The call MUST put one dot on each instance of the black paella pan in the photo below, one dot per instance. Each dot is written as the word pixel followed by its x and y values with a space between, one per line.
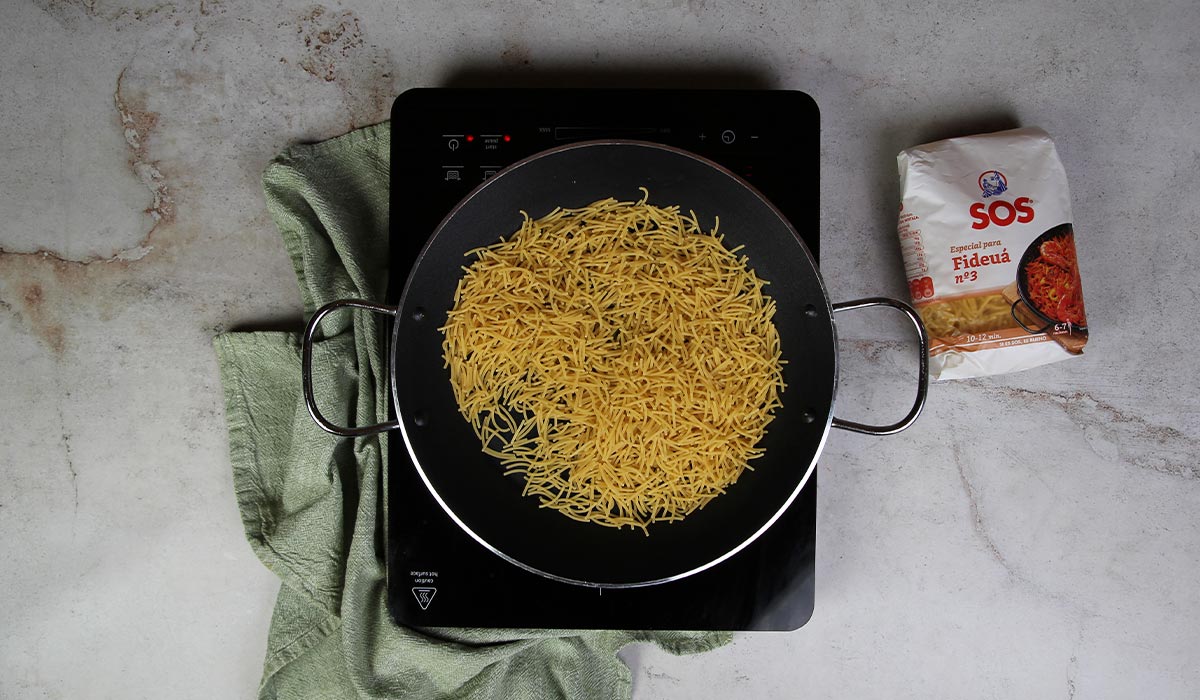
pixel 471 487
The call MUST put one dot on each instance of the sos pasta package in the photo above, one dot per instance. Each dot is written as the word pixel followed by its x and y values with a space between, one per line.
pixel 989 250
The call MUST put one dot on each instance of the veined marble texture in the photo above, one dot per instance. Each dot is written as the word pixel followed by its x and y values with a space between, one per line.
pixel 1034 535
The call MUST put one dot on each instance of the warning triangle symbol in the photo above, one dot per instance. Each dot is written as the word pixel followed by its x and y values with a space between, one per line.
pixel 424 596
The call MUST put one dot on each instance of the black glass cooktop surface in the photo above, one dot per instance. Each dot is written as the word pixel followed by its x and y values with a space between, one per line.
pixel 447 141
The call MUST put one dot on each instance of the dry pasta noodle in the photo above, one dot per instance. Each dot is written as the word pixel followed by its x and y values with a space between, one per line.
pixel 972 314
pixel 619 358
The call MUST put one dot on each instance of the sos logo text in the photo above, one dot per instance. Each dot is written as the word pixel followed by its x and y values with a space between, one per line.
pixel 999 212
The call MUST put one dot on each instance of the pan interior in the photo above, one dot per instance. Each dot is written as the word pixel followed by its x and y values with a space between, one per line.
pixel 471 486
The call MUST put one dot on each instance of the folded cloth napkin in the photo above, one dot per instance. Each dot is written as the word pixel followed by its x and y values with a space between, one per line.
pixel 312 504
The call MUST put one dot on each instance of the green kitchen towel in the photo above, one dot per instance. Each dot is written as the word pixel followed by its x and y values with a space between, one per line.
pixel 312 504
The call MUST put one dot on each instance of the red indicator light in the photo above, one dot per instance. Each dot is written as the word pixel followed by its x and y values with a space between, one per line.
pixel 470 138
pixel 507 138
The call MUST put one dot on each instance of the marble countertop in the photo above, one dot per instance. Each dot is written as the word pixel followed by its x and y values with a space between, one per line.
pixel 1033 535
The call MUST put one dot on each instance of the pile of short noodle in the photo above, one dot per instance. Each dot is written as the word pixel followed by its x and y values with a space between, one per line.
pixel 619 358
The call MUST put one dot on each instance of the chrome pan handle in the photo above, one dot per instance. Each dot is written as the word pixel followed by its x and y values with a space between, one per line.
pixel 922 375
pixel 310 399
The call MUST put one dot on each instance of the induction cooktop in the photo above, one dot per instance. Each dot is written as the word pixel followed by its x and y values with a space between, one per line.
pixel 445 142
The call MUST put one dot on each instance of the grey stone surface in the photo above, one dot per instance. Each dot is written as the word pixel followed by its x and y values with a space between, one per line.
pixel 1034 535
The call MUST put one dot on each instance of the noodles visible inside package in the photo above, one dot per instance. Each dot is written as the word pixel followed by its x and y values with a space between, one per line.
pixel 966 315
pixel 989 251
pixel 619 358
